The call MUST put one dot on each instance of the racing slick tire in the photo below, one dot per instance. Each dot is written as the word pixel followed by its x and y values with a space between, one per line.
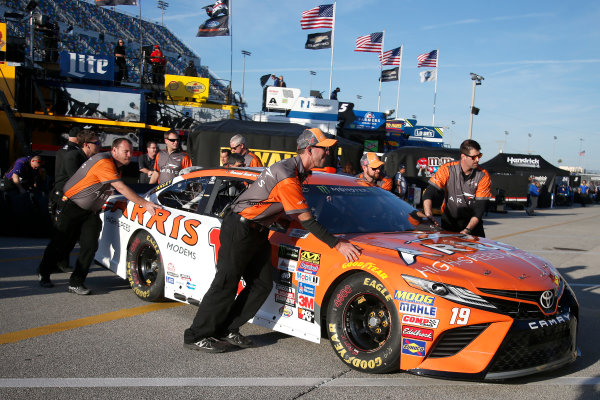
pixel 145 271
pixel 363 325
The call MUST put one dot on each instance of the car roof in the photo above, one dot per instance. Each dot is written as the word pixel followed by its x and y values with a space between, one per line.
pixel 316 178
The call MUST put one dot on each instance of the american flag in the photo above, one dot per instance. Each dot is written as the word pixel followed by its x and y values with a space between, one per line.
pixel 391 57
pixel 318 17
pixel 582 153
pixel 428 59
pixel 370 43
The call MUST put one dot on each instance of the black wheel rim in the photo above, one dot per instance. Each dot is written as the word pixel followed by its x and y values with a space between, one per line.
pixel 147 265
pixel 367 322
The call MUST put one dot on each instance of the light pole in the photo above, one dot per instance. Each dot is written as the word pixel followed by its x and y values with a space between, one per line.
pixel 553 147
pixel 505 139
pixel 358 97
pixel 581 153
pixel 162 5
pixel 474 110
pixel 311 75
pixel 244 54
pixel 528 141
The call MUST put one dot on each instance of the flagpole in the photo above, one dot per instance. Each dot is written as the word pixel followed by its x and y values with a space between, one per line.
pixel 437 64
pixel 230 21
pixel 141 44
pixel 380 70
pixel 332 46
pixel 399 77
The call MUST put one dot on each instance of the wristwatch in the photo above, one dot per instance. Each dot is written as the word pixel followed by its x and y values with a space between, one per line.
pixel 469 231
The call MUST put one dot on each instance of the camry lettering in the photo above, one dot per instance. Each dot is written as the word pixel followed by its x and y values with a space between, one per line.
pixel 542 323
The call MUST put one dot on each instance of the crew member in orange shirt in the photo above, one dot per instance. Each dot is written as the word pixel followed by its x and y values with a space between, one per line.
pixel 245 249
pixel 238 145
pixel 170 162
pixel 466 189
pixel 372 172
pixel 84 195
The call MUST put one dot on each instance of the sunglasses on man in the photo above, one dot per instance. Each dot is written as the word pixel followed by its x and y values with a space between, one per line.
pixel 172 140
pixel 475 156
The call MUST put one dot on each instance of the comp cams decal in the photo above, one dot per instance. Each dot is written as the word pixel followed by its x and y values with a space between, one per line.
pixel 415 320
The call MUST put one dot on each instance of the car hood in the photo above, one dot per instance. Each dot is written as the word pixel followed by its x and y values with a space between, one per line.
pixel 453 258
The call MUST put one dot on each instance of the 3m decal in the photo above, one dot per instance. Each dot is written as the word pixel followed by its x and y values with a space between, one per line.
pixel 306 315
pixel 307 302
pixel 417 309
pixel 414 332
pixel 413 347
pixel 417 298
pixel 289 252
pixel 420 321
pixel 309 256
pixel 368 266
pixel 460 316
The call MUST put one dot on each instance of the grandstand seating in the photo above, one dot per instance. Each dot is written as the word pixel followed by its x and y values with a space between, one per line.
pixel 93 23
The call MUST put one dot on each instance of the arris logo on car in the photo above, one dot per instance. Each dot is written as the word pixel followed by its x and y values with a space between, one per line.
pixel 547 299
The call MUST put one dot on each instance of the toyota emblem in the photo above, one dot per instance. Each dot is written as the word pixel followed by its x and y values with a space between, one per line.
pixel 547 299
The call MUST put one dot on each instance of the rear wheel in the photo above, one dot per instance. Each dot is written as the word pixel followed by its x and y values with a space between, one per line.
pixel 145 270
pixel 363 324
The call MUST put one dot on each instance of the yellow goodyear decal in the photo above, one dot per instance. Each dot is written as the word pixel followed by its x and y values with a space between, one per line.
pixel 367 266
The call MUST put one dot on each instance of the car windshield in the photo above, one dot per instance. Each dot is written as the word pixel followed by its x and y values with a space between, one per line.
pixel 358 209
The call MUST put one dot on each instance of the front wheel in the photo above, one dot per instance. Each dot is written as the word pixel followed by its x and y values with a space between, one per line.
pixel 363 325
pixel 145 271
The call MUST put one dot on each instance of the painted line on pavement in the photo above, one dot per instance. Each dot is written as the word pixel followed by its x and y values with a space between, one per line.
pixel 539 228
pixel 17 336
pixel 268 382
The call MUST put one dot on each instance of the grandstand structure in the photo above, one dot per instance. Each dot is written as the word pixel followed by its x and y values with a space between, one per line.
pixel 88 29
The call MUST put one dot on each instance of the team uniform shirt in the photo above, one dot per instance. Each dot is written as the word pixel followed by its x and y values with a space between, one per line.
pixel 146 162
pixel 68 160
pixel 461 190
pixel 251 160
pixel 277 190
pixel 91 185
pixel 534 190
pixel 169 165
pixel 384 183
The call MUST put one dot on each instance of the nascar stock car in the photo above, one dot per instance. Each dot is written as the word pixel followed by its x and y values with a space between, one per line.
pixel 424 301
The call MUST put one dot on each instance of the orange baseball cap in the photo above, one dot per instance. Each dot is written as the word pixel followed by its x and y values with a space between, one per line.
pixel 314 137
pixel 370 159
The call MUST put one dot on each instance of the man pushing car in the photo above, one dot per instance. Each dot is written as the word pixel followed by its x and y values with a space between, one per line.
pixel 246 252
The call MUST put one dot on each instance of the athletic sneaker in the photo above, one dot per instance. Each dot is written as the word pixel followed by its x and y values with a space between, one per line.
pixel 208 345
pixel 45 282
pixel 82 290
pixel 239 340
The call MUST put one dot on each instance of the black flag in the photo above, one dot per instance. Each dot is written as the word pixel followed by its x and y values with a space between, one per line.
pixel 116 3
pixel 318 41
pixel 215 27
pixel 388 75
pixel 264 79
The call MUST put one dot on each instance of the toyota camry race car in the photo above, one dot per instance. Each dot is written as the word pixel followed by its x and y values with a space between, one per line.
pixel 424 301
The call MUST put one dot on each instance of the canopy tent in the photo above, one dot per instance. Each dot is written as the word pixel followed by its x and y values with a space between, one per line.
pixel 270 141
pixel 511 173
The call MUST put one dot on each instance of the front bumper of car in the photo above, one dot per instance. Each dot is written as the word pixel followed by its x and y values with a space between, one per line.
pixel 528 346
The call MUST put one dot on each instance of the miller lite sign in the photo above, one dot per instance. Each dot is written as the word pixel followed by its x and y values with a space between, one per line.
pixel 87 66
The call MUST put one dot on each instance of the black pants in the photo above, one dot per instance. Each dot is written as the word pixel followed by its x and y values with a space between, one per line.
pixel 122 72
pixel 158 74
pixel 245 252
pixel 73 224
pixel 453 225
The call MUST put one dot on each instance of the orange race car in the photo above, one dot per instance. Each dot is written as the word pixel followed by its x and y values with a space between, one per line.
pixel 428 302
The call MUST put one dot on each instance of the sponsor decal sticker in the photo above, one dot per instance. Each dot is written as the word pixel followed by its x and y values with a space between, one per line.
pixel 287 265
pixel 286 311
pixel 289 252
pixel 190 286
pixel 307 278
pixel 286 297
pixel 306 315
pixel 420 321
pixel 414 297
pixel 285 277
pixel 308 267
pixel 309 256
pixel 173 274
pixel 413 347
pixel 170 280
pixel 186 278
pixel 299 233
pixel 368 266
pixel 284 288
pixel 417 309
pixel 307 302
pixel 171 267
pixel 414 332
pixel 305 288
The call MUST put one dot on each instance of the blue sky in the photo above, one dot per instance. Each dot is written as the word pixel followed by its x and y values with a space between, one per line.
pixel 539 60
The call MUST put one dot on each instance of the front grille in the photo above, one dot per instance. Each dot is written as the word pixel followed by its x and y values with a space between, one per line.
pixel 529 348
pixel 515 309
pixel 454 340
pixel 515 294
